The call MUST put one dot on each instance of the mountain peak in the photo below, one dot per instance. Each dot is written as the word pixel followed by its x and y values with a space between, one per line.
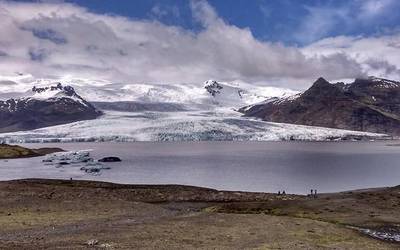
pixel 321 81
pixel 53 90
pixel 213 87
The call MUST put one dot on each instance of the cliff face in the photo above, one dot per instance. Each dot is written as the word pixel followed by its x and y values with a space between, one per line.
pixel 371 105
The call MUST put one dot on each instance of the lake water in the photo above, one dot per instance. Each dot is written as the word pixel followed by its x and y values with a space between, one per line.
pixel 295 167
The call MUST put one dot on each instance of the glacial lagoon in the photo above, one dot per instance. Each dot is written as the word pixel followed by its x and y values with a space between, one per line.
pixel 295 167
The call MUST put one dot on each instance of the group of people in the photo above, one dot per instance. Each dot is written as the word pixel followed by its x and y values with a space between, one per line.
pixel 313 193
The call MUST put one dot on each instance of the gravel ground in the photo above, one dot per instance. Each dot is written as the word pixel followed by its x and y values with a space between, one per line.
pixel 55 214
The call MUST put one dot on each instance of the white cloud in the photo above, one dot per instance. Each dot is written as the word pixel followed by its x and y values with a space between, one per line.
pixel 379 56
pixel 160 11
pixel 373 8
pixel 54 40
pixel 352 16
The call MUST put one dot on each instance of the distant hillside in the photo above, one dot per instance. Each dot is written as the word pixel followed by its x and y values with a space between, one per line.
pixel 371 105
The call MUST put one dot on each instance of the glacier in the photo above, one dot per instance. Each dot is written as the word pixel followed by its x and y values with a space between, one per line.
pixel 220 124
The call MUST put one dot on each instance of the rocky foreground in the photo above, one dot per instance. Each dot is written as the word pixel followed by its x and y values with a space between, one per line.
pixel 49 214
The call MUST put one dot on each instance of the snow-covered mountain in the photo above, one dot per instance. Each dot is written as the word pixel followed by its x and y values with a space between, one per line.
pixel 191 96
pixel 231 94
pixel 241 94
pixel 55 93
pixel 45 106
pixel 169 112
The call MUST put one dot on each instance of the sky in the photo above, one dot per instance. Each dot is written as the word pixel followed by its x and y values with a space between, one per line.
pixel 287 43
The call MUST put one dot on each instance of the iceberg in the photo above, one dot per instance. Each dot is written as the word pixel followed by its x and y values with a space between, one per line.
pixel 79 159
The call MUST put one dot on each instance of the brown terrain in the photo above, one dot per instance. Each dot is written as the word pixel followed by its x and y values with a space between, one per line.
pixel 69 214
pixel 15 151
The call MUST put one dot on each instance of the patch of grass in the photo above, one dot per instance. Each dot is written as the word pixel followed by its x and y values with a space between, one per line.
pixel 13 151
pixel 29 219
pixel 326 240
pixel 213 209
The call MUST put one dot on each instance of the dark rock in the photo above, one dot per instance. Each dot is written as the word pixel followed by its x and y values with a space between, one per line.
pixel 213 87
pixel 110 159
pixel 63 163
pixel 90 170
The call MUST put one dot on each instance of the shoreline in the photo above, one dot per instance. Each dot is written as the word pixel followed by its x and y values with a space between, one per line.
pixel 388 142
pixel 46 213
pixel 83 140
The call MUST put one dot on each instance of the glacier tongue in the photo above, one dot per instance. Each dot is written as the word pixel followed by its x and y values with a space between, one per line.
pixel 217 124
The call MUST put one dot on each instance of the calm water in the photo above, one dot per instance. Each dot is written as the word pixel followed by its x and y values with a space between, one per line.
pixel 295 167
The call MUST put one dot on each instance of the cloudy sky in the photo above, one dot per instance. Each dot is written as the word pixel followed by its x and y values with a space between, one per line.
pixel 285 43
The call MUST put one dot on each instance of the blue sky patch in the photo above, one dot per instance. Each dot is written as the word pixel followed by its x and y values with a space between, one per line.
pixel 288 21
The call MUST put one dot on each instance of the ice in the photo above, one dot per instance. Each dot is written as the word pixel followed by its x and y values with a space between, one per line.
pixel 387 233
pixel 93 167
pixel 198 125
pixel 80 159
pixel 70 157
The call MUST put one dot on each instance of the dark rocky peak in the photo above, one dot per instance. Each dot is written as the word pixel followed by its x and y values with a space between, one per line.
pixel 66 90
pixel 321 82
pixel 213 87
pixel 51 88
pixel 322 88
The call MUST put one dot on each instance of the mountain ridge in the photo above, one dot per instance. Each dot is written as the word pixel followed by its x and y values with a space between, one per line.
pixel 48 106
pixel 370 105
